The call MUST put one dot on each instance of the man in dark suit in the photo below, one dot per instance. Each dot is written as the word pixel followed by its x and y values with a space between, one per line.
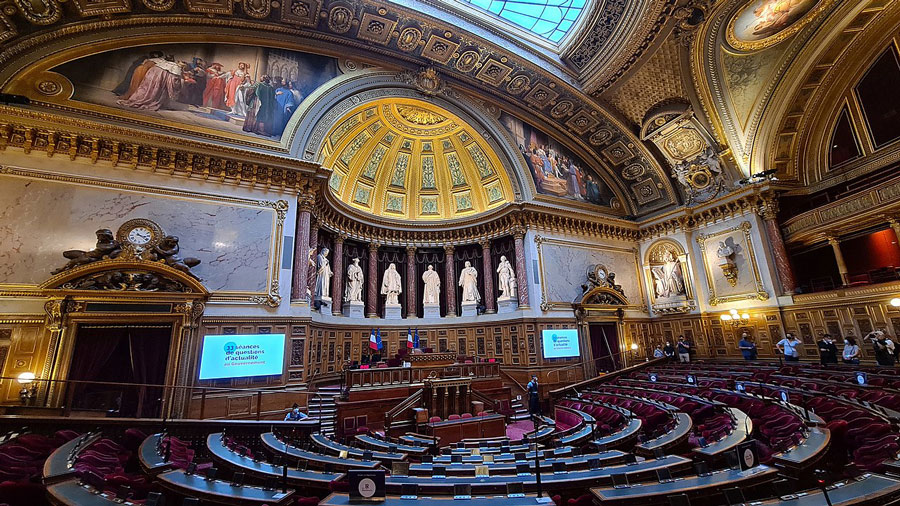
pixel 828 351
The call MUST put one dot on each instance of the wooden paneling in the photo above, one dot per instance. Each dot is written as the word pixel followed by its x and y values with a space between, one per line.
pixel 27 345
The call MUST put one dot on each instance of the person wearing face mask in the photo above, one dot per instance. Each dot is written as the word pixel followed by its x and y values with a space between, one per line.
pixel 669 351
pixel 827 350
pixel 295 415
pixel 851 351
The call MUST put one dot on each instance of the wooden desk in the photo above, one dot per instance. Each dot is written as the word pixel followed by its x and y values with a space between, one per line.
pixel 277 446
pixel 868 489
pixel 806 453
pixel 451 431
pixel 743 427
pixel 694 486
pixel 58 465
pixel 150 459
pixel 622 437
pixel 393 500
pixel 607 458
pixel 220 492
pixel 336 448
pixel 676 436
pixel 295 478
pixel 380 444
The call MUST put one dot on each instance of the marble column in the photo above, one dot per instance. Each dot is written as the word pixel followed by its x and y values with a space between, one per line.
pixel 301 255
pixel 450 279
pixel 895 224
pixel 337 281
pixel 521 275
pixel 411 282
pixel 490 301
pixel 768 212
pixel 311 266
pixel 372 283
pixel 839 258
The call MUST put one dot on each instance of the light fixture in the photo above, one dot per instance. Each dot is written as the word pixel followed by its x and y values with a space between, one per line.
pixel 26 395
pixel 895 302
pixel 634 346
pixel 735 318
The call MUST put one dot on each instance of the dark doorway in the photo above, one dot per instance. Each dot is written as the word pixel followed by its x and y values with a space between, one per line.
pixel 605 346
pixel 120 354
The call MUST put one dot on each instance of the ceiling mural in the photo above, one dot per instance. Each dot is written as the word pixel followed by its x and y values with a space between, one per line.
pixel 554 169
pixel 762 23
pixel 403 158
pixel 238 90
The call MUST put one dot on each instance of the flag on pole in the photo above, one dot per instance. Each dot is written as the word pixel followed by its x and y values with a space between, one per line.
pixel 416 339
pixel 409 338
pixel 378 339
pixel 373 344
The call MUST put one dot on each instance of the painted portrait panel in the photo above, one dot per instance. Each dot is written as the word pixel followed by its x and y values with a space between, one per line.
pixel 245 90
pixel 554 169
pixel 759 22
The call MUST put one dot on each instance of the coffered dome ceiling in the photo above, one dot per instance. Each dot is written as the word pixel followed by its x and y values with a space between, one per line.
pixel 408 159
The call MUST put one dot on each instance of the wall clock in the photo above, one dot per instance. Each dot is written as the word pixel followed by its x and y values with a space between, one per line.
pixel 140 233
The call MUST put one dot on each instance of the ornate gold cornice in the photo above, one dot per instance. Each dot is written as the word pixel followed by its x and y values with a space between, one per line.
pixel 755 199
pixel 56 135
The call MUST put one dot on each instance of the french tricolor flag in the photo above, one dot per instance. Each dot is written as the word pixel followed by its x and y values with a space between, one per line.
pixel 409 338
pixel 373 343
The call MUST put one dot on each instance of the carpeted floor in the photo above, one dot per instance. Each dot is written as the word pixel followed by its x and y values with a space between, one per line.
pixel 516 430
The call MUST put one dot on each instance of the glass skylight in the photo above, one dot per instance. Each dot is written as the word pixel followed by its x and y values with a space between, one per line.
pixel 550 19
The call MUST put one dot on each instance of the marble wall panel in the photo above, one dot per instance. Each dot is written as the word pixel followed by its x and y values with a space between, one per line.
pixel 39 219
pixel 565 266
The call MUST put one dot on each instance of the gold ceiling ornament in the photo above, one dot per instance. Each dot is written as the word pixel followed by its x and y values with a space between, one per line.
pixel 407 159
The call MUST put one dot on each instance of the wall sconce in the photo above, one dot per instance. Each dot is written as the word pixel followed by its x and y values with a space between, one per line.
pixel 895 302
pixel 26 395
pixel 736 319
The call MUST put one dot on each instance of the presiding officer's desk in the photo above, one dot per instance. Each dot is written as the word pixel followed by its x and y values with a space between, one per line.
pixel 693 486
pixel 279 447
pixel 606 458
pixel 295 478
pixel 335 448
pixel 392 500
pixel 551 481
pixel 866 490
pixel 220 492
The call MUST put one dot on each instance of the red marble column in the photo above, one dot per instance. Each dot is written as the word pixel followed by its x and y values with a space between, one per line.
pixel 450 280
pixel 411 282
pixel 782 261
pixel 372 283
pixel 490 302
pixel 337 281
pixel 311 263
pixel 301 253
pixel 521 275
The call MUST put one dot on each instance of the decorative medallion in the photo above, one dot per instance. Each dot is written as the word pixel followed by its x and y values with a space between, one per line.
pixel 633 171
pixel 409 38
pixel 101 7
pixel 618 153
pixel 541 95
pixel 376 28
pixel 683 144
pixel 439 49
pixel 645 191
pixel 48 88
pixel 258 9
pixel 561 109
pixel 518 84
pixel 223 7
pixel 601 136
pixel 493 72
pixel 420 116
pixel 159 5
pixel 582 121
pixel 306 13
pixel 763 23
pixel 467 61
pixel 40 12
pixel 427 80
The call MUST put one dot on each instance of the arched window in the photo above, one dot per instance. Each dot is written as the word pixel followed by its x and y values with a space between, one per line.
pixel 549 19
pixel 844 146
pixel 877 94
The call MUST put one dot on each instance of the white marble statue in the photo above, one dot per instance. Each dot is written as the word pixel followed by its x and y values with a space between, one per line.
pixel 725 254
pixel 432 292
pixel 468 280
pixel 391 286
pixel 507 279
pixel 668 278
pixel 353 291
pixel 323 275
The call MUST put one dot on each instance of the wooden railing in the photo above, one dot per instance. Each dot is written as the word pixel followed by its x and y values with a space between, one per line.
pixel 583 385
pixel 412 401
pixel 378 377
pixel 489 403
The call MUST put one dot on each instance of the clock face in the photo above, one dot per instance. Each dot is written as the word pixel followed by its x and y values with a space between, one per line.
pixel 140 236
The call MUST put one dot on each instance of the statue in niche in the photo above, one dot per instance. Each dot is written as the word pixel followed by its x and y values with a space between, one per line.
pixel 468 280
pixel 391 286
pixel 107 247
pixel 507 279
pixel 667 278
pixel 726 262
pixel 167 251
pixel 432 292
pixel 323 275
pixel 353 292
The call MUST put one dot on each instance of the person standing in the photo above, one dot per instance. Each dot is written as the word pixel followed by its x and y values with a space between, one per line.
pixel 851 351
pixel 534 401
pixel 788 346
pixel 828 351
pixel 669 350
pixel 684 350
pixel 747 346
pixel 658 352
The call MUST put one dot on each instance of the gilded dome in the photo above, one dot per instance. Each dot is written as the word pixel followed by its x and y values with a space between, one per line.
pixel 408 159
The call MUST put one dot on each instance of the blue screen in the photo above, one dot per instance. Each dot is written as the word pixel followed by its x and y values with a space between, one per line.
pixel 560 343
pixel 242 355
